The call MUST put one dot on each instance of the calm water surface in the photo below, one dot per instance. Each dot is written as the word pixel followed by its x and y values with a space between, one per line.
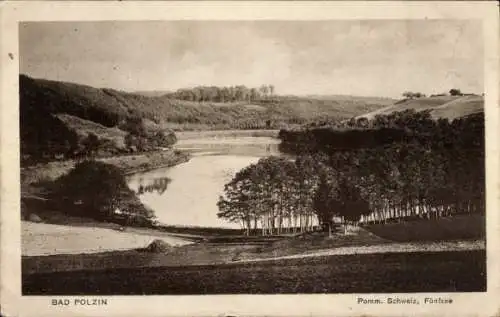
pixel 187 194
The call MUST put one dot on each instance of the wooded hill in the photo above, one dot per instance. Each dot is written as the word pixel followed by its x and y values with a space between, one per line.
pixel 108 106
pixel 60 119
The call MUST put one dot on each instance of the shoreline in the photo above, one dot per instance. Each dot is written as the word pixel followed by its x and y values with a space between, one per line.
pixel 184 157
pixel 138 162
pixel 36 180
pixel 35 175
pixel 184 135
pixel 45 239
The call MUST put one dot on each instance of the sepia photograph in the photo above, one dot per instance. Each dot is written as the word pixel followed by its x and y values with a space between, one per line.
pixel 252 157
pixel 234 158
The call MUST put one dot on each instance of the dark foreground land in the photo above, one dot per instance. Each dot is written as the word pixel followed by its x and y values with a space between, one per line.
pixel 463 271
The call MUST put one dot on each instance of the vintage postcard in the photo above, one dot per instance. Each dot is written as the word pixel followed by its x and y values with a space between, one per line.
pixel 249 159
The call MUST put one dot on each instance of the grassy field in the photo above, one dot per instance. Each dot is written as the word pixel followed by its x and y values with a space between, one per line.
pixel 211 247
pixel 467 226
pixel 209 253
pixel 307 263
pixel 461 107
pixel 369 273
pixel 85 127
pixel 449 107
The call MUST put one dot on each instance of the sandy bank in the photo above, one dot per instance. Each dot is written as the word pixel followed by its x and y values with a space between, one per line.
pixel 47 239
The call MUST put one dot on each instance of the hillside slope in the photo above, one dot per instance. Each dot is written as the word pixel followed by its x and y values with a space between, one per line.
pixel 448 107
pixel 109 107
pixel 61 118
pixel 459 108
pixel 65 120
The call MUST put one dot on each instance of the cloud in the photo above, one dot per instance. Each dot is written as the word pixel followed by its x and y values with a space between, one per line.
pixel 316 57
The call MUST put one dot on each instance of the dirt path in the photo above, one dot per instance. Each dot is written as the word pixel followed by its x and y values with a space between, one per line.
pixel 386 248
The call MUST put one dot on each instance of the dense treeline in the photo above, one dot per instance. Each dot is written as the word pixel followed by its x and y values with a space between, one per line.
pixel 278 195
pixel 397 167
pixel 438 169
pixel 224 94
pixel 329 140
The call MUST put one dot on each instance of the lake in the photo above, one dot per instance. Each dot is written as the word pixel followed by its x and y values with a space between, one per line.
pixel 187 194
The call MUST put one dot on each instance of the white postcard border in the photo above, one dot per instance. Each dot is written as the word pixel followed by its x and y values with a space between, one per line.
pixel 12 304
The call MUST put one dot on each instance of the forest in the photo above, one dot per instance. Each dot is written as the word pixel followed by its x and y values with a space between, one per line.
pixel 398 167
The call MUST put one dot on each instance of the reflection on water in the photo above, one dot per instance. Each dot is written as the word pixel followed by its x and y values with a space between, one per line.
pixel 157 184
pixel 187 194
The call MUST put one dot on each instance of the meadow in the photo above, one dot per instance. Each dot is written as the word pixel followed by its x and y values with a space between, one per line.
pixel 463 271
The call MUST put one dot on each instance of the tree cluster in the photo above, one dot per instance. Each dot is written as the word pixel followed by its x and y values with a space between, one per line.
pixel 338 198
pixel 271 196
pixel 455 92
pixel 409 167
pixel 140 138
pixel 49 138
pixel 412 95
pixel 436 169
pixel 398 167
pixel 96 190
pixel 223 94
pixel 278 195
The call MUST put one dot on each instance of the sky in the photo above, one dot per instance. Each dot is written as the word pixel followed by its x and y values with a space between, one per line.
pixel 367 57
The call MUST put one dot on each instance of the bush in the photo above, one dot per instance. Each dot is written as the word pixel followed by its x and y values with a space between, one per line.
pixel 158 246
pixel 34 218
pixel 91 144
pixel 135 126
pixel 96 189
pixel 164 138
